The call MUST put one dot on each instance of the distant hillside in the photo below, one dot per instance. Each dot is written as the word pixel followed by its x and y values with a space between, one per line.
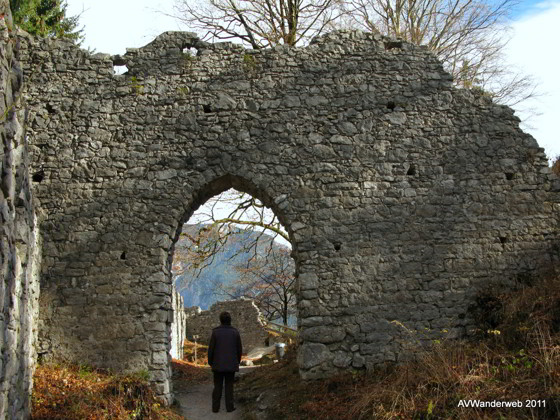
pixel 199 291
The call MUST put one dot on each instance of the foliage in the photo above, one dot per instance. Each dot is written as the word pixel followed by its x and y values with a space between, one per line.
pixel 259 23
pixel 188 58
pixel 81 393
pixel 191 371
pixel 46 18
pixel 520 363
pixel 201 353
pixel 135 86
pixel 183 90
pixel 249 64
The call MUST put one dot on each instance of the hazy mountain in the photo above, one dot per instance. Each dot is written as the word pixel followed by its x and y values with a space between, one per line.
pixel 199 291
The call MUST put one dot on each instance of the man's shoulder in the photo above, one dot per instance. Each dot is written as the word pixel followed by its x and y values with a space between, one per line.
pixel 226 327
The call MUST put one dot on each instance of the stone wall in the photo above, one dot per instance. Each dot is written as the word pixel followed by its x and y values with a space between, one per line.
pixel 19 256
pixel 403 196
pixel 245 316
pixel 178 325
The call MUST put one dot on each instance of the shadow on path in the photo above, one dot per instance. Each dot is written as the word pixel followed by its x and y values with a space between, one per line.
pixel 195 400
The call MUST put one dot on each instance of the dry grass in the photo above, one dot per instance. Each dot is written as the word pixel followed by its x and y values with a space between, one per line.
pixel 80 393
pixel 517 360
pixel 189 373
pixel 201 353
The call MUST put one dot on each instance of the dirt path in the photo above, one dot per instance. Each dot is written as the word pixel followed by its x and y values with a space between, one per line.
pixel 195 401
pixel 195 404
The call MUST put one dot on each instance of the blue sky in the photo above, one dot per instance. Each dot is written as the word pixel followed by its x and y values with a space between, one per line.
pixel 528 7
pixel 111 26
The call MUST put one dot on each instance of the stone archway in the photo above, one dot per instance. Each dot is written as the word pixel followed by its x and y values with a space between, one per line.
pixel 252 263
pixel 403 196
pixel 127 289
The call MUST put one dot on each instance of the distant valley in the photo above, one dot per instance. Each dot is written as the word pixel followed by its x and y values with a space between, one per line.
pixel 201 290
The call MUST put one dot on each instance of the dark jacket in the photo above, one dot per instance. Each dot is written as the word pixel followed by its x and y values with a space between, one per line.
pixel 224 350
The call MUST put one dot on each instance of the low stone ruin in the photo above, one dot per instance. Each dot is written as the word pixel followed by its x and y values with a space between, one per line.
pixel 245 316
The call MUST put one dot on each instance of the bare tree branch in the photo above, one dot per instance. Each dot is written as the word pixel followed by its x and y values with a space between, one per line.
pixel 198 246
pixel 259 23
pixel 270 283
pixel 468 36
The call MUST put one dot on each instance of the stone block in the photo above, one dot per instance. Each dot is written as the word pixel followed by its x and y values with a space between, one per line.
pixel 312 354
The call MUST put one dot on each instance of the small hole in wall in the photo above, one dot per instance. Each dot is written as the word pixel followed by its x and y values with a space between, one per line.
pixel 411 170
pixel 337 247
pixel 50 109
pixel 510 176
pixel 123 255
pixel 391 105
pixel 503 239
pixel 193 52
pixel 38 176
pixel 120 69
pixel 206 109
pixel 393 44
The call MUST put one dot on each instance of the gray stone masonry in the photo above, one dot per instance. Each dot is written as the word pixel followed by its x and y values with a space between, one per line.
pixel 178 325
pixel 245 316
pixel 403 196
pixel 19 250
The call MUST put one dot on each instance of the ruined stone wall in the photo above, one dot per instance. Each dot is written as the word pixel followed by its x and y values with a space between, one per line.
pixel 178 325
pixel 403 197
pixel 245 316
pixel 19 256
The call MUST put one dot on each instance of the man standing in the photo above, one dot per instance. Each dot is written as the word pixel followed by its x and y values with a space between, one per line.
pixel 224 355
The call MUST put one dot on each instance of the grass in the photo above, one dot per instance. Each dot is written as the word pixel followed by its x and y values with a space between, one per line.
pixel 188 373
pixel 201 353
pixel 82 393
pixel 516 359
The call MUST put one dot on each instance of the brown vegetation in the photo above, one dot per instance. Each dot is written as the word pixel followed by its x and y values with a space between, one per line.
pixel 516 357
pixel 517 360
pixel 81 393
pixel 556 165
pixel 201 353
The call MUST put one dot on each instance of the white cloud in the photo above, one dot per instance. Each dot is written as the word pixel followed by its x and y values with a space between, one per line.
pixel 534 48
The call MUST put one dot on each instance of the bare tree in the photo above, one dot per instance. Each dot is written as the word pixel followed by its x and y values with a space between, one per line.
pixel 270 282
pixel 226 217
pixel 264 270
pixel 468 36
pixel 258 23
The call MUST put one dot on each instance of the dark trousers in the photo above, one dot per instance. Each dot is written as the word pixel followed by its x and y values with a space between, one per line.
pixel 219 379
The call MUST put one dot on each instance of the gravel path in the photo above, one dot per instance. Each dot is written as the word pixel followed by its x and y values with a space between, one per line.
pixel 196 404
pixel 195 401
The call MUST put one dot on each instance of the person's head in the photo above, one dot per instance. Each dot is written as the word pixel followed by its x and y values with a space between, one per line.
pixel 225 318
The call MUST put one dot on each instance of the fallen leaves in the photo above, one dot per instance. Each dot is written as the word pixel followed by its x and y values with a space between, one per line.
pixel 80 393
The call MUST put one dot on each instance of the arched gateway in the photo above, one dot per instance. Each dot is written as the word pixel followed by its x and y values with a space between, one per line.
pixel 403 196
